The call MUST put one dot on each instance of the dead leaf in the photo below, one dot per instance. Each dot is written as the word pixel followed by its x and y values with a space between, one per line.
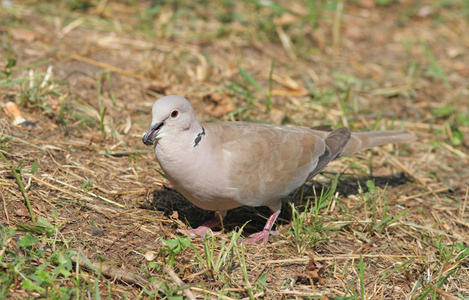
pixel 369 248
pixel 367 4
pixel 94 139
pixel 463 71
pixel 311 265
pixel 174 215
pixel 54 104
pixel 22 212
pixel 287 81
pixel 218 105
pixel 20 34
pixel 424 11
pixel 150 255
pixel 314 271
pixel 285 19
pixel 157 87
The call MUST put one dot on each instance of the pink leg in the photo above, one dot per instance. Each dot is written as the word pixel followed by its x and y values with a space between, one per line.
pixel 264 234
pixel 202 229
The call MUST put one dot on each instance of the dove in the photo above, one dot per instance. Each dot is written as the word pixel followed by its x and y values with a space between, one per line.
pixel 224 165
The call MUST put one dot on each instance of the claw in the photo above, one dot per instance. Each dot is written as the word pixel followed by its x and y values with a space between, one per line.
pixel 202 229
pixel 199 231
pixel 264 234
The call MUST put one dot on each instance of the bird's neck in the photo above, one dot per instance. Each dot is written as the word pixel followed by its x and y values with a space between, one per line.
pixel 183 142
pixel 185 154
pixel 199 137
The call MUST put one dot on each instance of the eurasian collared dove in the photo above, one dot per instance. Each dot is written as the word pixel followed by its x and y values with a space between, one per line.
pixel 220 166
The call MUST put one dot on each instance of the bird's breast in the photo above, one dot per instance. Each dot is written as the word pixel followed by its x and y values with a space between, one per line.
pixel 198 174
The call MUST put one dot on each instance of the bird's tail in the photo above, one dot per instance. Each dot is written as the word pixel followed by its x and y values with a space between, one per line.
pixel 365 140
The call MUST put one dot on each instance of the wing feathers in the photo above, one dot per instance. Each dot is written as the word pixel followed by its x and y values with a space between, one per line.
pixel 265 163
pixel 335 142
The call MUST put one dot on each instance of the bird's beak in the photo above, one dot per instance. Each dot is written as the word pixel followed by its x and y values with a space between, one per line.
pixel 150 136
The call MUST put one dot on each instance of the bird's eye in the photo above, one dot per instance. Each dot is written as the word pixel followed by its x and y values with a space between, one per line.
pixel 174 113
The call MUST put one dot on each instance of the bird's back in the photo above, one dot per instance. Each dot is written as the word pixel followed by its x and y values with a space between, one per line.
pixel 266 162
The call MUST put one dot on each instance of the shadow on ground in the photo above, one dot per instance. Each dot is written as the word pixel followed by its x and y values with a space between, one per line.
pixel 168 200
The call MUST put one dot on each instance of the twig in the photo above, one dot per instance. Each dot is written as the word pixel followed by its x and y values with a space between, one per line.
pixel 455 151
pixel 101 6
pixel 338 257
pixel 454 218
pixel 422 194
pixel 339 13
pixel 298 294
pixel 256 296
pixel 140 217
pixel 85 179
pixel 5 247
pixel 70 27
pixel 425 228
pixel 404 168
pixel 20 183
pixel 100 208
pixel 75 194
pixel 113 272
pixel 219 296
pixel 13 138
pixel 463 208
pixel 125 152
pixel 105 66
pixel 89 193
pixel 179 282
pixel 67 144
pixel 446 295
pixel 136 227
pixel 417 125
pixel 286 42
pixel 62 190
pixel 393 89
pixel 143 191
pixel 5 206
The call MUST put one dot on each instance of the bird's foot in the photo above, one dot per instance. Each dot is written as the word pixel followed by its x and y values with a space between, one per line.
pixel 202 229
pixel 260 236
pixel 199 231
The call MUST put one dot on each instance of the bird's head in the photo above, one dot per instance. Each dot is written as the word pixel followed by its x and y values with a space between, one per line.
pixel 171 115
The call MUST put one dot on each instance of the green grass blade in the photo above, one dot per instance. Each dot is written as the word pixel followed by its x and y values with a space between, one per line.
pixel 251 80
pixel 434 63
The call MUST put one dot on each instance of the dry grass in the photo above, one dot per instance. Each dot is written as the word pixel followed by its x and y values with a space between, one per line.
pixel 87 77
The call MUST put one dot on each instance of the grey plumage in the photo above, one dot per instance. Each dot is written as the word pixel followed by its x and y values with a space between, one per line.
pixel 220 166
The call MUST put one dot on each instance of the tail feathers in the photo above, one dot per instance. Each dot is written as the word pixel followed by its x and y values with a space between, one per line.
pixel 370 139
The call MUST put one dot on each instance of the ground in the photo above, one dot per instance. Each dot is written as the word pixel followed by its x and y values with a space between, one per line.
pixel 86 212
